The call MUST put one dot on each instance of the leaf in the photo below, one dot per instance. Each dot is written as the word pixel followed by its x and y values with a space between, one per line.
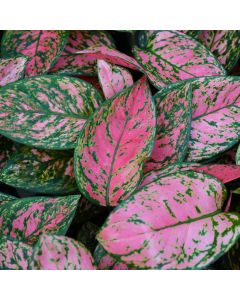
pixel 26 219
pixel 192 33
pixel 113 79
pixel 224 173
pixel 70 63
pixel 48 111
pixel 170 56
pixel 238 156
pixel 172 223
pixel 14 254
pixel 12 69
pixel 106 262
pixel 224 44
pixel 173 112
pixel 41 171
pixel 43 47
pixel 114 144
pixel 60 253
pixel 4 198
pixel 7 147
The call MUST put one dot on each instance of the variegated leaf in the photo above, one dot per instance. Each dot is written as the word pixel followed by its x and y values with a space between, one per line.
pixel 60 253
pixel 170 56
pixel 26 219
pixel 47 111
pixel 192 33
pixel 224 44
pixel 113 79
pixel 69 63
pixel 43 47
pixel 42 171
pixel 12 69
pixel 114 144
pixel 4 198
pixel 174 113
pixel 172 223
pixel 14 254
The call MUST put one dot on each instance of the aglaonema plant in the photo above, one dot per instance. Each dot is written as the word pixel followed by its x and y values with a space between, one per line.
pixel 119 150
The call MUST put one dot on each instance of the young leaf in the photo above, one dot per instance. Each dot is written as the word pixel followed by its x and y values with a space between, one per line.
pixel 174 113
pixel 224 44
pixel 113 79
pixel 14 254
pixel 114 144
pixel 26 219
pixel 70 63
pixel 170 56
pixel 47 111
pixel 60 253
pixel 173 223
pixel 43 47
pixel 12 69
pixel 41 171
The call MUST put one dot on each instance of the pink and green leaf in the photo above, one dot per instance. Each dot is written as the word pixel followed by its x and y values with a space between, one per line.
pixel 47 111
pixel 173 223
pixel 174 113
pixel 41 171
pixel 114 144
pixel 60 253
pixel 43 47
pixel 113 79
pixel 12 69
pixel 26 219
pixel 171 56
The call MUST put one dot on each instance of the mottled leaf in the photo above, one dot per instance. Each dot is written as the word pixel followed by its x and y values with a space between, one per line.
pixel 174 113
pixel 12 69
pixel 26 219
pixel 43 47
pixel 172 223
pixel 14 254
pixel 69 63
pixel 4 198
pixel 170 56
pixel 47 111
pixel 113 79
pixel 192 33
pixel 60 253
pixel 42 171
pixel 114 144
pixel 224 44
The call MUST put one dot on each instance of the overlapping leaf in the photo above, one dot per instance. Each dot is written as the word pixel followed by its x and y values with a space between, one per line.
pixel 70 63
pixel 43 47
pixel 224 44
pixel 170 56
pixel 26 219
pixel 14 254
pixel 172 223
pixel 12 69
pixel 174 113
pixel 114 144
pixel 42 171
pixel 4 198
pixel 60 253
pixel 47 111
pixel 113 79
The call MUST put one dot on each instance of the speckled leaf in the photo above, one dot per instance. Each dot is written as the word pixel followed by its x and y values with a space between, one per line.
pixel 172 223
pixel 224 173
pixel 106 262
pixel 192 33
pixel 170 56
pixel 47 111
pixel 43 47
pixel 173 112
pixel 26 219
pixel 70 63
pixel 4 198
pixel 113 79
pixel 114 144
pixel 224 44
pixel 238 156
pixel 42 171
pixel 60 253
pixel 12 69
pixel 14 254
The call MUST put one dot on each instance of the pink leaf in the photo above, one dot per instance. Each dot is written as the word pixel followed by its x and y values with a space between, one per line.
pixel 12 69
